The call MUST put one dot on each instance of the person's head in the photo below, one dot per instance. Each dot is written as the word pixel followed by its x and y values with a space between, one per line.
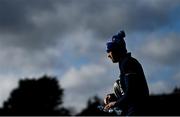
pixel 116 48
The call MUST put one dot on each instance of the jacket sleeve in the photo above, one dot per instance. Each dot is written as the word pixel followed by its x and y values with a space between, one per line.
pixel 129 93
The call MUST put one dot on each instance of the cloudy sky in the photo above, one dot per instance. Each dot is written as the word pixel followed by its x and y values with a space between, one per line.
pixel 66 38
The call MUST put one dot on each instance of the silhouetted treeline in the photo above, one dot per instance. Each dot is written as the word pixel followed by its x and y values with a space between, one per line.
pixel 165 104
pixel 158 105
pixel 42 96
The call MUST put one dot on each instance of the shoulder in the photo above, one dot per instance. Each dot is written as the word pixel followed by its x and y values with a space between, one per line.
pixel 131 65
pixel 131 61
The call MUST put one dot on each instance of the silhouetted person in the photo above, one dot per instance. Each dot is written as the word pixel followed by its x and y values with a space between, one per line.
pixel 131 90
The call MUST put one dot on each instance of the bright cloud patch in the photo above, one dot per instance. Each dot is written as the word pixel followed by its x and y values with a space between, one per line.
pixel 160 87
pixel 6 85
pixel 85 82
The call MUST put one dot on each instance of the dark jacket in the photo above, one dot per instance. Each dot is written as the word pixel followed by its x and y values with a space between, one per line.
pixel 134 86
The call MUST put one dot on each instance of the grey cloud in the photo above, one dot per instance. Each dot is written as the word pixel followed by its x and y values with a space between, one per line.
pixel 16 14
pixel 110 16
pixel 164 50
pixel 37 24
pixel 29 25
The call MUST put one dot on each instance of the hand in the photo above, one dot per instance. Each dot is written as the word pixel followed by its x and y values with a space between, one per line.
pixel 109 98
pixel 106 99
pixel 110 105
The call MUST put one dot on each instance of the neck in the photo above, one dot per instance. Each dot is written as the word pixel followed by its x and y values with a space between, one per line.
pixel 123 56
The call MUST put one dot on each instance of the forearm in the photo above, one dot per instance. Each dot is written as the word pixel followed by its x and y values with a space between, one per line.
pixel 121 102
pixel 129 91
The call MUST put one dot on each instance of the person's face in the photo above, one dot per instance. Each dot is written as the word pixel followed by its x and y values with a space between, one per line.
pixel 113 56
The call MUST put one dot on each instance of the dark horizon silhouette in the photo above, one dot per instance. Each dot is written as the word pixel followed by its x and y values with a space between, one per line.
pixel 158 105
pixel 44 96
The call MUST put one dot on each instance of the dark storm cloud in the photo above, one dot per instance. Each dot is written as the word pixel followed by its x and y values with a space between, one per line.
pixel 36 24
pixel 19 25
pixel 105 17
pixel 40 24
pixel 16 14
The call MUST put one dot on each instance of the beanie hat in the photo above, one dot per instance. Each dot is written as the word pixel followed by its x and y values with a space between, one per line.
pixel 117 43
